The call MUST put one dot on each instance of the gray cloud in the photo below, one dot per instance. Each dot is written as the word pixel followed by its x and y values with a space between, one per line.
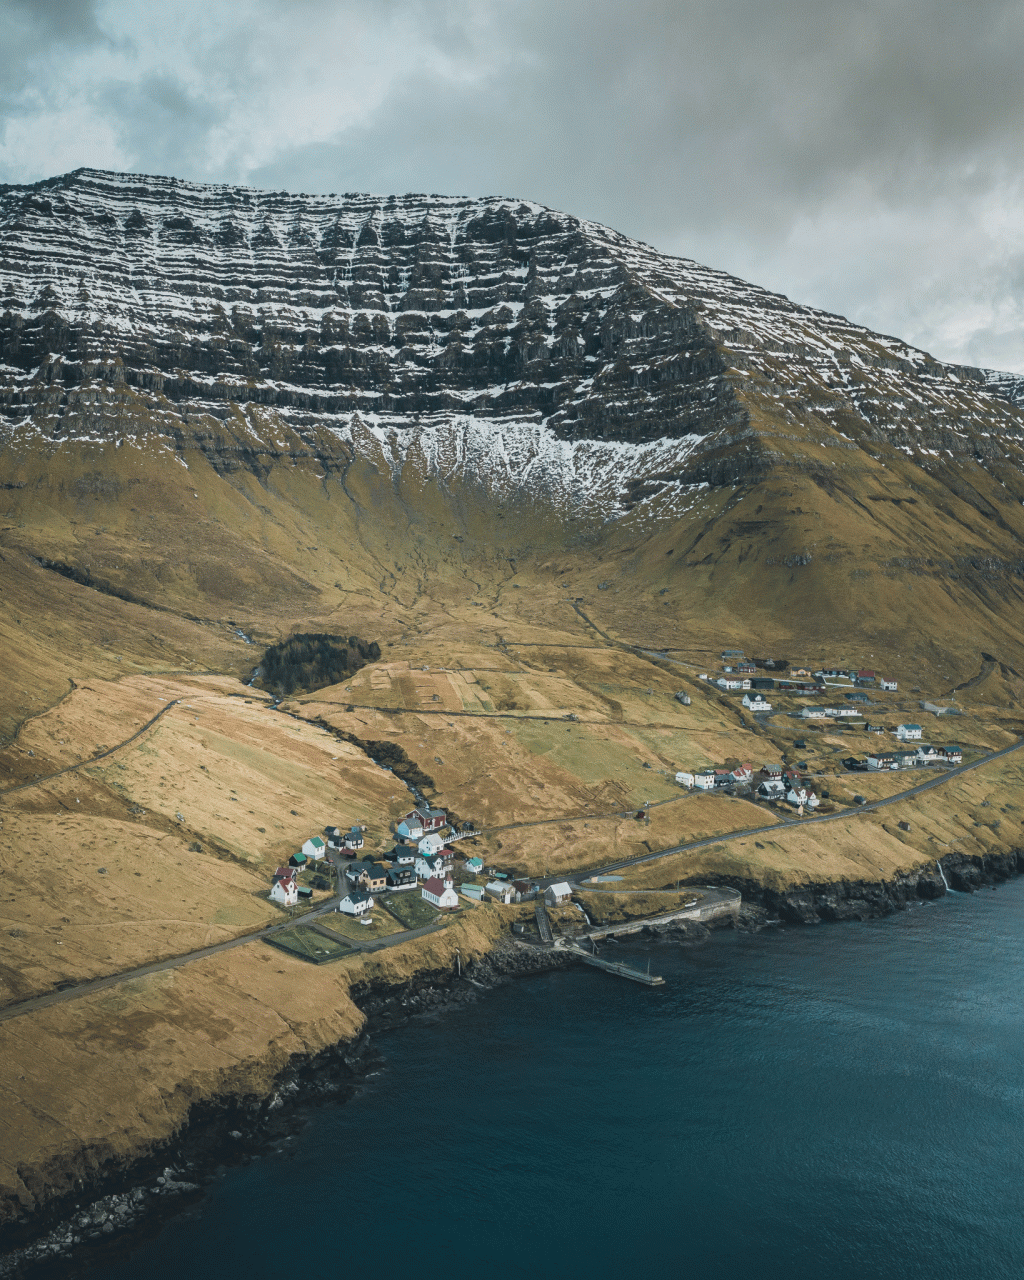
pixel 865 157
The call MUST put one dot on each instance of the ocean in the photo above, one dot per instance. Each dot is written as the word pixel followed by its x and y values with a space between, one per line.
pixel 845 1101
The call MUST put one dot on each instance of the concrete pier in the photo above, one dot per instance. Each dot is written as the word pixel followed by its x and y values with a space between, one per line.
pixel 612 966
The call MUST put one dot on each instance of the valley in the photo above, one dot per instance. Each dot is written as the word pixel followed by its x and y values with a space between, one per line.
pixel 554 476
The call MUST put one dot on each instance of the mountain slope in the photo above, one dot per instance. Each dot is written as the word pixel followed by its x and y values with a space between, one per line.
pixel 221 401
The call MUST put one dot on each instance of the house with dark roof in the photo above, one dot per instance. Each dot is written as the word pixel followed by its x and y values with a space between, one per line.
pixel 429 864
pixel 401 878
pixel 356 903
pixel 429 819
pixel 375 878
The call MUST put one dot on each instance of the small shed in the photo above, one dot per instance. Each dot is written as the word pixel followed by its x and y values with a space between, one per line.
pixel 298 860
pixel 472 891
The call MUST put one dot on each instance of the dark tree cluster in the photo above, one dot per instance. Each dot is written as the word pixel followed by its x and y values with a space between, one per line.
pixel 312 660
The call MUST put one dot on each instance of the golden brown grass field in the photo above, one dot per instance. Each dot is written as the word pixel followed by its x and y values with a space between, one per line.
pixel 528 668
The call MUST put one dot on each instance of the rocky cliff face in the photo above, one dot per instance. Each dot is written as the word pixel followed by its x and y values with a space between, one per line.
pixel 496 335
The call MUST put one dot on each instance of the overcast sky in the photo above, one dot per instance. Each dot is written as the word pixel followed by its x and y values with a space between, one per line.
pixel 866 157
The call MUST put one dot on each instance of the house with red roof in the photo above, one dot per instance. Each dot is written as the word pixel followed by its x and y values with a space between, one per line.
pixel 285 889
pixel 440 893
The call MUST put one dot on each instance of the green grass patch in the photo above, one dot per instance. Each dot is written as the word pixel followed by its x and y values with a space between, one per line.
pixel 308 944
pixel 381 926
pixel 411 909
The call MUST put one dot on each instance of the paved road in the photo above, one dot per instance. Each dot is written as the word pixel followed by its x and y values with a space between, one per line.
pixel 82 764
pixel 174 962
pixel 842 815
pixel 157 966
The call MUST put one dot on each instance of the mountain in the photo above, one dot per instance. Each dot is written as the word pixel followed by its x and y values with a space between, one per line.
pixel 218 400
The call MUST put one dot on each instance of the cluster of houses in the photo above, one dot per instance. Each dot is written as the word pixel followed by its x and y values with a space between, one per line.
pixel 422 859
pixel 740 674
pixel 919 757
pixel 771 782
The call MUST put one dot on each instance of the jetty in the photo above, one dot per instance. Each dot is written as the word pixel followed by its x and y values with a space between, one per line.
pixel 613 966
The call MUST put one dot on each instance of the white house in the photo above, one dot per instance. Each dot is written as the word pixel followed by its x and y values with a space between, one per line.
pixel 726 682
pixel 927 754
pixel 500 891
pixel 315 848
pixel 356 903
pixel 906 732
pixel 802 796
pixel 705 780
pixel 556 894
pixel 428 865
pixel 432 843
pixel 883 760
pixel 439 893
pixel 285 890
pixel 889 685
pixel 475 866
pixel 756 702
pixel 814 713
pixel 684 779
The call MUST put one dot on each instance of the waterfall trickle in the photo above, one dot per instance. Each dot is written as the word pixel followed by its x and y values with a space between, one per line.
pixel 943 874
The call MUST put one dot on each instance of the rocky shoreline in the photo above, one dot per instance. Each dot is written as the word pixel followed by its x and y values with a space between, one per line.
pixel 831 902
pixel 111 1210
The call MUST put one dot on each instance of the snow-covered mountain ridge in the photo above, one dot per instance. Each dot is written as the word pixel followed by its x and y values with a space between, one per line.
pixel 489 336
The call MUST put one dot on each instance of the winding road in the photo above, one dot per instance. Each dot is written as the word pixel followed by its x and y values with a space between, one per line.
pixel 174 962
pixel 83 764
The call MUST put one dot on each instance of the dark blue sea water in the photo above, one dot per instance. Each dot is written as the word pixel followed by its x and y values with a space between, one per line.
pixel 844 1102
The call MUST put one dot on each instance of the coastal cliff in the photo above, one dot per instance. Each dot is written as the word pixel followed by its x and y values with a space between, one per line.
pixel 91 1190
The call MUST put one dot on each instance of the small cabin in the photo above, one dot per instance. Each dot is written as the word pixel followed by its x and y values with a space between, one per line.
pixel 556 894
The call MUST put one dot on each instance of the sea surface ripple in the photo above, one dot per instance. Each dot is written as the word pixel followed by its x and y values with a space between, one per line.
pixel 842 1101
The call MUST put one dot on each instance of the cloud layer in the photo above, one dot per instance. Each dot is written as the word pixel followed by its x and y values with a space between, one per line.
pixel 865 157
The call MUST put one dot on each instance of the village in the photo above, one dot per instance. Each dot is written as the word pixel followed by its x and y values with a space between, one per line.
pixel 414 882
pixel 790 785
